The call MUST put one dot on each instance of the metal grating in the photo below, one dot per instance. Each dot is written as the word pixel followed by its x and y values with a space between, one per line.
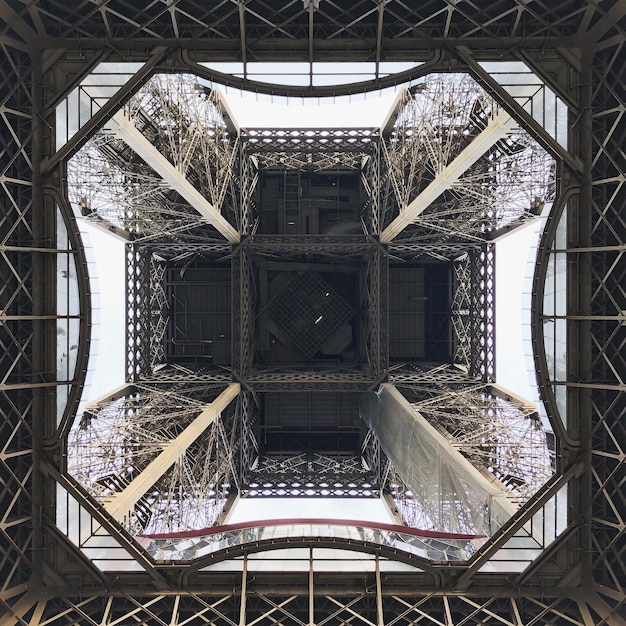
pixel 309 312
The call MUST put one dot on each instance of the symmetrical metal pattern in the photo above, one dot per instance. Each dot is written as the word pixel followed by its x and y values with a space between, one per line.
pixel 314 149
pixel 309 311
pixel 311 476
pixel 577 46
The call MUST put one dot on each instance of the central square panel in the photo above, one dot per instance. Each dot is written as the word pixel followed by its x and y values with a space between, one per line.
pixel 309 314
pixel 316 313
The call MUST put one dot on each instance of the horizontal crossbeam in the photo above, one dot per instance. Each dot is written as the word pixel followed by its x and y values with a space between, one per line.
pixel 119 505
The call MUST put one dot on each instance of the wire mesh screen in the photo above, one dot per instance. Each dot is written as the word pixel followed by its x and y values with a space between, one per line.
pixel 309 312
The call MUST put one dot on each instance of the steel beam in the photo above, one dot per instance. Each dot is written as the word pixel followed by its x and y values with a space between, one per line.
pixel 530 124
pixel 119 505
pixel 386 128
pixel 398 425
pixel 497 129
pixel 126 130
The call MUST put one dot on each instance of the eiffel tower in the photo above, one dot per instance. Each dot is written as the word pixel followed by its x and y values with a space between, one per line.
pixel 310 314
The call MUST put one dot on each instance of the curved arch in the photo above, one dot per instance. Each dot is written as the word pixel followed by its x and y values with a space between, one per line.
pixel 434 64
pixel 537 298
pixel 84 300
pixel 352 545
pixel 407 530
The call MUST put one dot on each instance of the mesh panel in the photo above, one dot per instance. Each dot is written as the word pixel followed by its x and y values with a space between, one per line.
pixel 309 312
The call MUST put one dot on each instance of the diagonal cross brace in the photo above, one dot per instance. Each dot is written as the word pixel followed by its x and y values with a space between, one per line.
pixel 119 505
pixel 498 128
pixel 125 129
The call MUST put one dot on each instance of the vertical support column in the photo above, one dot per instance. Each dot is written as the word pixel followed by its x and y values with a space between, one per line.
pixel 174 620
pixel 40 355
pixel 446 606
pixel 235 277
pixel 244 591
pixel 311 590
pixel 379 595
pixel 248 182
pixel 370 179
pixel 579 286
pixel 137 311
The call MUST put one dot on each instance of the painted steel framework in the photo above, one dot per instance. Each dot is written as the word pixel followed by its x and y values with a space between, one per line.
pixel 575 46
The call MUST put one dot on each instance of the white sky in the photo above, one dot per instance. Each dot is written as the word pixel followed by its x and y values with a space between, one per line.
pixel 252 111
pixel 108 352
pixel 365 510
pixel 515 260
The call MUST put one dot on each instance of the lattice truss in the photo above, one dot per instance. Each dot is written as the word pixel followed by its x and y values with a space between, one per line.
pixel 139 345
pixel 505 181
pixel 310 149
pixel 159 311
pixel 360 607
pixel 322 247
pixel 596 393
pixel 604 320
pixel 112 445
pixel 247 409
pixel 244 306
pixel 501 437
pixel 185 122
pixel 311 476
pixel 371 181
pixel 248 180
pixel 373 325
pixel 461 311
pixel 182 375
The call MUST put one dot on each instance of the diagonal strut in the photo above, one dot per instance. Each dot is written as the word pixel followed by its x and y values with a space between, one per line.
pixel 119 505
pixel 498 128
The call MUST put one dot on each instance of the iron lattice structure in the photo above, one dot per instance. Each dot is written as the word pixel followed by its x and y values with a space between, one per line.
pixel 575 46
pixel 106 455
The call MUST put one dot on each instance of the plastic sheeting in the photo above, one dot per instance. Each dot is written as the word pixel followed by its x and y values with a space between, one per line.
pixel 454 496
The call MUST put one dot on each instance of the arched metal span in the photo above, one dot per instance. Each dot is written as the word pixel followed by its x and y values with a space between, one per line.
pixel 55 571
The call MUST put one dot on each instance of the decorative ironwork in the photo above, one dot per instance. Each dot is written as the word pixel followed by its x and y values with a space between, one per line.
pixel 576 47
pixel 114 445
pixel 138 313
pixel 310 149
pixel 311 475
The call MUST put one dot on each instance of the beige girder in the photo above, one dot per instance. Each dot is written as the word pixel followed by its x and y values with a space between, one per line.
pixel 498 128
pixel 126 130
pixel 120 504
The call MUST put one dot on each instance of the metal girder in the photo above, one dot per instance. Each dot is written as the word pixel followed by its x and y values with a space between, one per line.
pixel 348 31
pixel 124 127
pixel 309 149
pixel 103 113
pixel 303 475
pixel 517 109
pixel 399 426
pixel 119 505
pixel 137 311
pixel 497 129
